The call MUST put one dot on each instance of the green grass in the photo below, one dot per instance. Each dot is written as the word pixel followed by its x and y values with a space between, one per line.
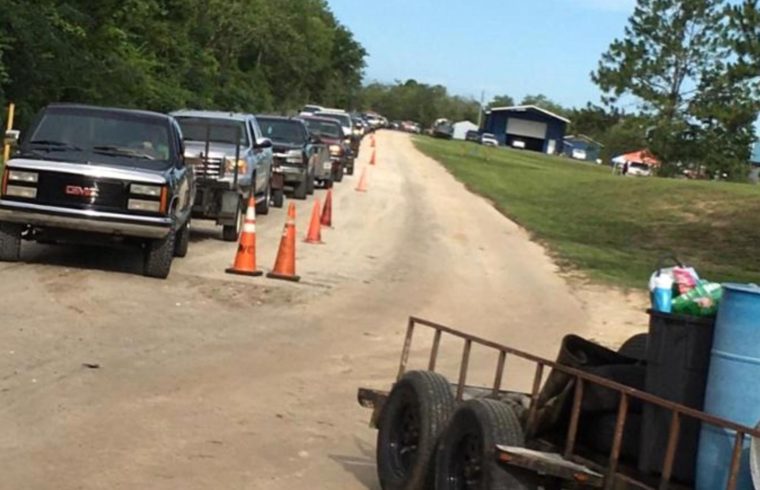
pixel 611 228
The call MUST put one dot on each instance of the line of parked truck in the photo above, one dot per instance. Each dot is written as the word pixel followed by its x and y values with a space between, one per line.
pixel 105 176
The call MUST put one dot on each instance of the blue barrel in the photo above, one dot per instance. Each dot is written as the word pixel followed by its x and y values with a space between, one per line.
pixel 733 390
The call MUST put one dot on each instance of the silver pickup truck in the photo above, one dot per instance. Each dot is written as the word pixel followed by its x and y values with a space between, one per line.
pixel 232 160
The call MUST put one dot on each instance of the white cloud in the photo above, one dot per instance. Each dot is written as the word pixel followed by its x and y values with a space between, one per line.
pixel 612 5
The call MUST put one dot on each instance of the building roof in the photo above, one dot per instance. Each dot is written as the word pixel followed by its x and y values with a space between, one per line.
pixel 584 138
pixel 525 108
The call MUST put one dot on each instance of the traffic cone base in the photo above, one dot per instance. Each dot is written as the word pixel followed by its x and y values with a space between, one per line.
pixel 245 257
pixel 274 275
pixel 243 273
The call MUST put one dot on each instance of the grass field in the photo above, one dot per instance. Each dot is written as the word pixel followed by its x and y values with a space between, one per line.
pixel 613 228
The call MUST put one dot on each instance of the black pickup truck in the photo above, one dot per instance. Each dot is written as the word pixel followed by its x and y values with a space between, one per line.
pixel 103 176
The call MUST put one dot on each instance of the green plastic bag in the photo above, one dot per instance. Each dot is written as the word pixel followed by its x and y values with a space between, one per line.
pixel 701 301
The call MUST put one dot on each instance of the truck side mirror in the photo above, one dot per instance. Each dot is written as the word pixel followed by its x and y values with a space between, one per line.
pixel 12 136
pixel 264 143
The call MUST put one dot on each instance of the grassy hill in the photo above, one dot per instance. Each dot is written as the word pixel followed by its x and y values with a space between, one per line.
pixel 614 228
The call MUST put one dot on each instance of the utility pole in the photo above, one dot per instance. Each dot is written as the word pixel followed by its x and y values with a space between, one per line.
pixel 480 112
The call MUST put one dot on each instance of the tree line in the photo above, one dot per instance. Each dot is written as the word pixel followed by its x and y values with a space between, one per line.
pixel 249 55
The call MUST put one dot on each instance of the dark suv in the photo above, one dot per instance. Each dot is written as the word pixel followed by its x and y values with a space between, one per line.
pixel 88 174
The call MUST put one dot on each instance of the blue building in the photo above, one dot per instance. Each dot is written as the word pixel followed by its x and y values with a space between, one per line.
pixel 581 147
pixel 755 157
pixel 528 127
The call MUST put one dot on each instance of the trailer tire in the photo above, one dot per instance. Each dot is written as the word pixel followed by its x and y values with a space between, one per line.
pixel 10 242
pixel 466 453
pixel 635 347
pixel 414 416
pixel 278 198
pixel 230 233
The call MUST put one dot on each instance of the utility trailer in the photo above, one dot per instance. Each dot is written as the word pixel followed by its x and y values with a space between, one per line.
pixel 433 434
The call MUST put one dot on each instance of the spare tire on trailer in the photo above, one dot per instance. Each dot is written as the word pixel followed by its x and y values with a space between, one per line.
pixel 466 456
pixel 635 347
pixel 414 415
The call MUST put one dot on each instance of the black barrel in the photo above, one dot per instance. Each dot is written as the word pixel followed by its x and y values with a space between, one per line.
pixel 678 358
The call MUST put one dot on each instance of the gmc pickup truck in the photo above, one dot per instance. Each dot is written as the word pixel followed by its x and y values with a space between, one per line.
pixel 94 175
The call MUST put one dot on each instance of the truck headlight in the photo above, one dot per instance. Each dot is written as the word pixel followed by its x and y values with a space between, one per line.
pixel 145 190
pixel 20 176
pixel 335 150
pixel 229 166
pixel 144 205
pixel 19 191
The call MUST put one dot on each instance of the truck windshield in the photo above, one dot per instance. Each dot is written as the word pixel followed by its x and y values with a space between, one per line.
pixel 324 128
pixel 69 132
pixel 343 119
pixel 217 130
pixel 282 130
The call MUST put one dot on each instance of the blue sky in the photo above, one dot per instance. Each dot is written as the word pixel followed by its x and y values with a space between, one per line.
pixel 513 47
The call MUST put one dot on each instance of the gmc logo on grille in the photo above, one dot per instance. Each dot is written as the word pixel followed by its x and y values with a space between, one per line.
pixel 77 190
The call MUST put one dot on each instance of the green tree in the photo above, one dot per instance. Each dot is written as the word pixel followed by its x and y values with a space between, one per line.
pixel 676 60
pixel 544 102
pixel 501 101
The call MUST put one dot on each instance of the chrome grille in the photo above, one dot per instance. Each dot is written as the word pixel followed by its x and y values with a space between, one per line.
pixel 211 168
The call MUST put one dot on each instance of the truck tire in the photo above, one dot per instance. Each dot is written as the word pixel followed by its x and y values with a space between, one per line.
pixel 310 184
pixel 350 169
pixel 262 207
pixel 10 242
pixel 466 455
pixel 159 255
pixel 301 189
pixel 338 175
pixel 230 233
pixel 414 415
pixel 182 241
pixel 278 198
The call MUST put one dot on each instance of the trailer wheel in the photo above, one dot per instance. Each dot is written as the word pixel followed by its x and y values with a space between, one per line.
pixel 466 456
pixel 412 419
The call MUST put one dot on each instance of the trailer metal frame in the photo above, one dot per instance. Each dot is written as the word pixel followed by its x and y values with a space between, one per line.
pixel 610 472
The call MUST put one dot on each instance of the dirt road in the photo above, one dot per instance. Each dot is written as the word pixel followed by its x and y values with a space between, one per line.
pixel 213 381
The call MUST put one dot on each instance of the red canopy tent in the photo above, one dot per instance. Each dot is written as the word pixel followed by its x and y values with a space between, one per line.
pixel 641 156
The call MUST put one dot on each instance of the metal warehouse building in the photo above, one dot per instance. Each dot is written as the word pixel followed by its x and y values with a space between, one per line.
pixel 527 126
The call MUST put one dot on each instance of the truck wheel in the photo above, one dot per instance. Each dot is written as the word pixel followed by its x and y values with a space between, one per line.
pixel 310 184
pixel 411 421
pixel 230 233
pixel 159 255
pixel 338 175
pixel 278 198
pixel 262 208
pixel 301 189
pixel 10 242
pixel 466 455
pixel 182 241
pixel 328 183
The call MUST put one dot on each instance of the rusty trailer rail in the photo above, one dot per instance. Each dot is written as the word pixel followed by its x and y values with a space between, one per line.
pixel 582 379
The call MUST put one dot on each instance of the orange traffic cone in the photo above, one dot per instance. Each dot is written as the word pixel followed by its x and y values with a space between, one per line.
pixel 245 259
pixel 285 265
pixel 315 228
pixel 362 186
pixel 372 159
pixel 327 210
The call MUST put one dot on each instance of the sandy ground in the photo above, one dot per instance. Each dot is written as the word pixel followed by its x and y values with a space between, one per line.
pixel 208 380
